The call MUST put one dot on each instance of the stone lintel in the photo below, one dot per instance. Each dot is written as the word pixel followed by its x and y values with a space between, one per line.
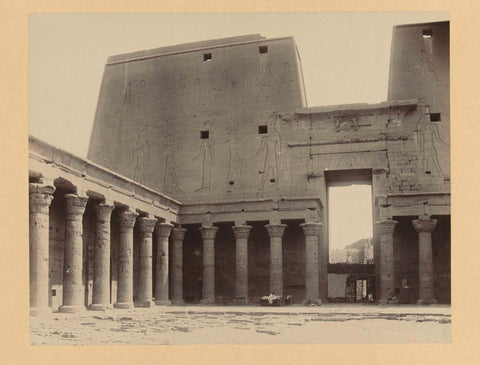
pixel 424 225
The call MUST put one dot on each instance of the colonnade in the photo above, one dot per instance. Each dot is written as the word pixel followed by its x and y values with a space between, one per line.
pixel 73 299
pixel 73 287
pixel 385 230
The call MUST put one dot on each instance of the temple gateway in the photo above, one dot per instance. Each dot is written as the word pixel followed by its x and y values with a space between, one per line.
pixel 208 174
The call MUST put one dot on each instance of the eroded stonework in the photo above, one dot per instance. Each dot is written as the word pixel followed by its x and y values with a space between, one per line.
pixel 208 178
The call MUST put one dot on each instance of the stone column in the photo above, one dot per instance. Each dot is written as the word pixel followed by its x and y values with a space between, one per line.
pixel 208 283
pixel 101 260
pixel 311 231
pixel 162 232
pixel 241 262
pixel 40 197
pixel 144 294
pixel 385 230
pixel 73 289
pixel 275 231
pixel 177 264
pixel 425 227
pixel 126 220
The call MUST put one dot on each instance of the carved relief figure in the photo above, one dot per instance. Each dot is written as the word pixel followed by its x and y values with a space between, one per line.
pixel 427 139
pixel 346 124
pixel 170 148
pixel 140 156
pixel 207 156
pixel 428 66
pixel 407 65
pixel 270 152
pixel 235 163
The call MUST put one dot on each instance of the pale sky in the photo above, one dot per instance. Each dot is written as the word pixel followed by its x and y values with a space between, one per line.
pixel 347 222
pixel 345 57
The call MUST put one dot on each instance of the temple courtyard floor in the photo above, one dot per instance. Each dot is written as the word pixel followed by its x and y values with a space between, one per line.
pixel 185 325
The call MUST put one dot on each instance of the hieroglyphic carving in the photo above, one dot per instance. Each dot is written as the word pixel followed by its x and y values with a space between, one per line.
pixel 428 138
pixel 288 117
pixel 346 124
pixel 207 156
pixel 170 148
pixel 235 163
pixel 421 65
pixel 428 65
pixel 270 150
pixel 141 156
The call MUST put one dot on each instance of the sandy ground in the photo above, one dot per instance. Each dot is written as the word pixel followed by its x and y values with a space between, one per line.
pixel 183 325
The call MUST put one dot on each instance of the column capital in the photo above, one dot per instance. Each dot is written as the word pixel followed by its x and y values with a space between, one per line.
pixel 386 226
pixel 311 228
pixel 275 230
pixel 178 233
pixel 75 204
pixel 127 218
pixel 40 196
pixel 241 231
pixel 424 225
pixel 163 229
pixel 146 224
pixel 208 232
pixel 103 211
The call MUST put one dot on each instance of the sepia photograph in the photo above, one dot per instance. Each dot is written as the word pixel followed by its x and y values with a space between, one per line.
pixel 239 178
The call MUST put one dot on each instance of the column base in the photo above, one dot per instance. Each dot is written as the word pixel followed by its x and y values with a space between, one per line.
pixel 178 301
pixel 312 302
pixel 207 301
pixel 41 311
pixel 163 302
pixel 146 304
pixel 72 309
pixel 124 305
pixel 100 307
pixel 426 301
pixel 241 300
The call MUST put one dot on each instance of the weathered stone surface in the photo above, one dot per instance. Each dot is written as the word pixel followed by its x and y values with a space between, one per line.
pixel 162 231
pixel 425 227
pixel 235 144
pixel 208 282
pixel 73 288
pixel 385 230
pixel 177 234
pixel 40 197
pixel 144 287
pixel 101 265
pixel 241 262
pixel 275 231
pixel 126 221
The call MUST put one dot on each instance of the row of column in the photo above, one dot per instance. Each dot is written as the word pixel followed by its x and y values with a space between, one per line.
pixel 275 232
pixel 73 289
pixel 385 230
pixel 73 298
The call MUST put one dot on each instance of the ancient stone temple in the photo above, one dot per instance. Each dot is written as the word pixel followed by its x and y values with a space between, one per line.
pixel 207 176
